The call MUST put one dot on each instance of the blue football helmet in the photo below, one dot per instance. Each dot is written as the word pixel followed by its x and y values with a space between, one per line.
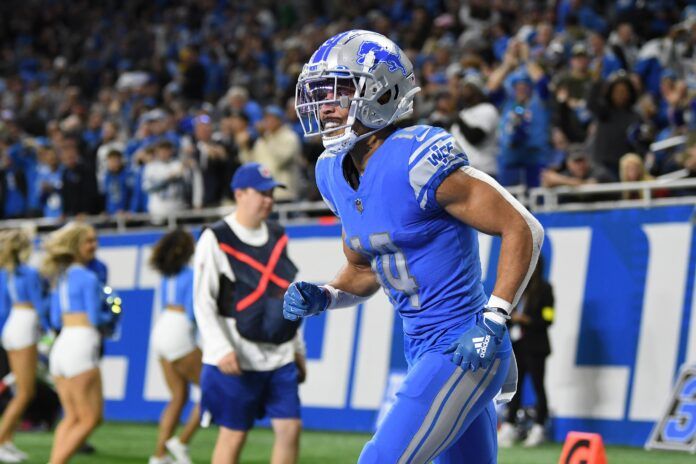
pixel 360 70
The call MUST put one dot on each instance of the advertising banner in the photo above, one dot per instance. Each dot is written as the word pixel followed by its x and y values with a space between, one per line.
pixel 624 289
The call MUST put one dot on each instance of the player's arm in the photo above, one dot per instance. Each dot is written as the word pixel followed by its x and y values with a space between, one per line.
pixel 476 199
pixel 355 277
pixel 353 284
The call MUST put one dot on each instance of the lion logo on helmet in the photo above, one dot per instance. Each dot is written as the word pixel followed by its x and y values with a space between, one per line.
pixel 381 55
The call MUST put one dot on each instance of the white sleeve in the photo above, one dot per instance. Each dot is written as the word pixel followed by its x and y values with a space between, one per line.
pixel 535 227
pixel 340 299
pixel 209 263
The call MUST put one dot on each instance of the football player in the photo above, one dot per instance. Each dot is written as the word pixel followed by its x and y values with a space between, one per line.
pixel 411 205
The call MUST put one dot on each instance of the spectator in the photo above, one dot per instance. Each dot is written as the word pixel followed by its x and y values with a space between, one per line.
pixel 193 75
pixel 213 161
pixel 578 171
pixel 234 131
pixel 612 104
pixel 643 133
pixel 277 148
pixel 237 100
pixel 688 162
pixel 577 80
pixel 444 110
pixel 152 128
pixel 572 88
pixel 529 325
pixel 50 183
pixel 605 61
pixel 79 194
pixel 38 146
pixel 92 135
pixel 623 43
pixel 110 140
pixel 632 169
pixel 139 198
pixel 524 127
pixel 14 185
pixel 476 125
pixel 118 184
pixel 560 145
pixel 22 151
pixel 151 83
pixel 524 124
pixel 165 181
pixel 673 105
pixel 540 50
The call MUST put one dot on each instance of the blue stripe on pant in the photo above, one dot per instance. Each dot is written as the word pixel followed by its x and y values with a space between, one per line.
pixel 441 412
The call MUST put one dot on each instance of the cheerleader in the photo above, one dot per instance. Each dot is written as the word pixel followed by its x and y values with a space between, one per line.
pixel 21 289
pixel 173 339
pixel 77 301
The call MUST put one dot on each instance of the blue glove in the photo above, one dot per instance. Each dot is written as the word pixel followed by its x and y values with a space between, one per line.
pixel 303 299
pixel 478 346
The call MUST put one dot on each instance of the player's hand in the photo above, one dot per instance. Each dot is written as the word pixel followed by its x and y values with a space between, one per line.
pixel 478 346
pixel 303 299
pixel 229 364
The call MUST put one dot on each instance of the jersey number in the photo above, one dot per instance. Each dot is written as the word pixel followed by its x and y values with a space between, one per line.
pixel 389 259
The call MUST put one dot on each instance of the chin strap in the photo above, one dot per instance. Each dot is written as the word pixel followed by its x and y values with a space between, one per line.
pixel 344 143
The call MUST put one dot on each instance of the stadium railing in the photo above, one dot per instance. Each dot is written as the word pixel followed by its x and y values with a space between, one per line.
pixel 609 196
pixel 311 212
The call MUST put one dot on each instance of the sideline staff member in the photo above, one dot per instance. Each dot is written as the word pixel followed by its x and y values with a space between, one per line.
pixel 253 359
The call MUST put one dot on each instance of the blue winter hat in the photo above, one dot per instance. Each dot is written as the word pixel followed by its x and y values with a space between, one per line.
pixel 254 175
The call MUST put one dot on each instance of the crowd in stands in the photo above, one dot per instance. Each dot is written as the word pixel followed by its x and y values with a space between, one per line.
pixel 149 106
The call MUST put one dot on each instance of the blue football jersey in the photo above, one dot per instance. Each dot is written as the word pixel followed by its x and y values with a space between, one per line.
pixel 426 260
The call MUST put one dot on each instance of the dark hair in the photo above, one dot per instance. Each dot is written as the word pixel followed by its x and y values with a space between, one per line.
pixel 172 252
pixel 617 78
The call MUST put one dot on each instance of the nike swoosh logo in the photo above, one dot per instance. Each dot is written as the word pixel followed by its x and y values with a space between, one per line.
pixel 422 137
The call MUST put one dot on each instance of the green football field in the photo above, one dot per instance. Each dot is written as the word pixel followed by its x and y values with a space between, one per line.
pixel 121 443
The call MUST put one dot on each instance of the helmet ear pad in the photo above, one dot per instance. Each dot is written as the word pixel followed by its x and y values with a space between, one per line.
pixel 382 98
pixel 385 97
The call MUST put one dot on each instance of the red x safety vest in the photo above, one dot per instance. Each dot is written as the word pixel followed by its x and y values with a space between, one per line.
pixel 261 276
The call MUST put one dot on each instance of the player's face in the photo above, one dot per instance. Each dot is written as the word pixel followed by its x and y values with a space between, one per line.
pixel 336 95
pixel 88 247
